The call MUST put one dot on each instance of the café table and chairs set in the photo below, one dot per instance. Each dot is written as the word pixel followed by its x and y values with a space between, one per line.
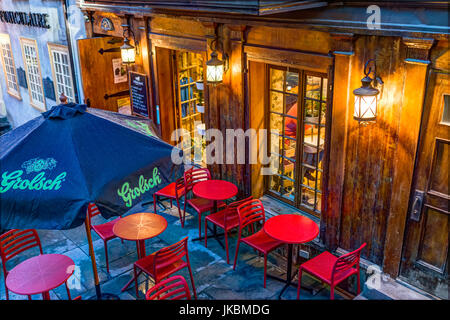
pixel 45 272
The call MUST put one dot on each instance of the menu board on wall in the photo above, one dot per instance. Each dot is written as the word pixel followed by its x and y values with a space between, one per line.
pixel 139 94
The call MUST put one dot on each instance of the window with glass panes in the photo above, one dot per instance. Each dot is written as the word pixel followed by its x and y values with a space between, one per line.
pixel 191 101
pixel 62 74
pixel 296 117
pixel 33 71
pixel 9 67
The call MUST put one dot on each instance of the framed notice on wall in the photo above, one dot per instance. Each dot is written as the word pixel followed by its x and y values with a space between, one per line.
pixel 139 96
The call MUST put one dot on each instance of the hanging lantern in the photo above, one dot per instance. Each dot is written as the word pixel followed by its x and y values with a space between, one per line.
pixel 214 69
pixel 128 52
pixel 366 97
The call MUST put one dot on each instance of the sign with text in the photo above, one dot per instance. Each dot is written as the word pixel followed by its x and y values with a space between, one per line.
pixel 139 94
pixel 38 20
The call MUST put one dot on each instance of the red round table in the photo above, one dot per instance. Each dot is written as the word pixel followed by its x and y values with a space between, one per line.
pixel 291 229
pixel 139 227
pixel 216 190
pixel 40 274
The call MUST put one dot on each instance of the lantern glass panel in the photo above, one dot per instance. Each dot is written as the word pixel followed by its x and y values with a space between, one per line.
pixel 128 55
pixel 365 108
pixel 214 73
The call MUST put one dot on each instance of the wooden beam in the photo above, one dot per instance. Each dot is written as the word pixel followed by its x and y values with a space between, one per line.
pixel 334 185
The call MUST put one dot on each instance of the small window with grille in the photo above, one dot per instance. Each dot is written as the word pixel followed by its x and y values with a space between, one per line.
pixel 62 72
pixel 33 71
pixel 9 68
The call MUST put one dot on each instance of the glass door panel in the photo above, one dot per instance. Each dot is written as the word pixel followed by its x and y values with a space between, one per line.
pixel 297 98
pixel 191 101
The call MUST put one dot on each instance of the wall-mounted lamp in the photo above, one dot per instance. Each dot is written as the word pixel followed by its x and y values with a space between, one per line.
pixel 127 51
pixel 366 97
pixel 215 68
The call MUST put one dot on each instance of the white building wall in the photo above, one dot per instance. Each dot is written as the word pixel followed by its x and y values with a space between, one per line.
pixel 20 111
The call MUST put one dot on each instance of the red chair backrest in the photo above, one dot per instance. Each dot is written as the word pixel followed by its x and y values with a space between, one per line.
pixel 231 209
pixel 16 241
pixel 92 212
pixel 179 187
pixel 347 261
pixel 173 288
pixel 250 212
pixel 194 175
pixel 171 254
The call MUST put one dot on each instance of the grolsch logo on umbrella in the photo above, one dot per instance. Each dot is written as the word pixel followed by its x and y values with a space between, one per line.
pixel 33 176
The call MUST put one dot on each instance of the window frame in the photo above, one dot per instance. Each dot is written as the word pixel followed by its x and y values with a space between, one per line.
pixel 301 98
pixel 61 48
pixel 32 42
pixel 17 95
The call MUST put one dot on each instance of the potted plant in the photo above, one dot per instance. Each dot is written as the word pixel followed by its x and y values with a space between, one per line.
pixel 200 102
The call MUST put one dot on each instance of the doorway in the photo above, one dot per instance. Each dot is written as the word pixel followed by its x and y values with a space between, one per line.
pixel 425 252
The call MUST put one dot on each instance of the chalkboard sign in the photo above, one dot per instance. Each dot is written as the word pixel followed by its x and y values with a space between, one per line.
pixel 139 94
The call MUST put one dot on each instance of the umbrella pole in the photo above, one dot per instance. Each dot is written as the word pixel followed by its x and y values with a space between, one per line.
pixel 98 292
pixel 94 264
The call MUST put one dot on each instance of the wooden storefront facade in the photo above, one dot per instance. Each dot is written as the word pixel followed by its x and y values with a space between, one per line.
pixel 385 183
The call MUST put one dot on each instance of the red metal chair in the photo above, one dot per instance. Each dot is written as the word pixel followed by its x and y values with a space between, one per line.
pixel 173 288
pixel 251 213
pixel 14 242
pixel 331 269
pixel 104 230
pixel 175 190
pixel 191 177
pixel 165 262
pixel 227 219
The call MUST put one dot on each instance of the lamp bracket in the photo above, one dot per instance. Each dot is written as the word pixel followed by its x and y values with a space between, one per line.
pixel 368 70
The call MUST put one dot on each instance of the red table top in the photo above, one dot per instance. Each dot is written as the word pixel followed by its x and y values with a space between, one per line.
pixel 291 228
pixel 140 226
pixel 40 274
pixel 215 189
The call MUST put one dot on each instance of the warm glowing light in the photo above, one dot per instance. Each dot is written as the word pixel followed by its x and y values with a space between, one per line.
pixel 214 69
pixel 366 99
pixel 128 52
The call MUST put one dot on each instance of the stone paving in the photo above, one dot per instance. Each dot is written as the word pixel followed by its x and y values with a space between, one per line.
pixel 213 277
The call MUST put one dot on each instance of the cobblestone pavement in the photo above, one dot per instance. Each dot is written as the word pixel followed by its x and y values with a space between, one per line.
pixel 214 278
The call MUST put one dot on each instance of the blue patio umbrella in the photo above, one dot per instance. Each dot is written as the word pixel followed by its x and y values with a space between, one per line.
pixel 53 166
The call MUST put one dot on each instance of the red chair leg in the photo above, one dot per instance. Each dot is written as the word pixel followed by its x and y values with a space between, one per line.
pixel 299 282
pixel 106 256
pixel 179 213
pixel 236 255
pixel 29 297
pixel 136 281
pixel 226 247
pixel 171 204
pixel 6 291
pixel 358 290
pixel 192 281
pixel 199 225
pixel 265 269
pixel 332 292
pixel 154 203
pixel 206 233
pixel 68 291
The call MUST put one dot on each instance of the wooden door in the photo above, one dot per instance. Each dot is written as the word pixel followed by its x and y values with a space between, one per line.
pixel 98 74
pixel 425 252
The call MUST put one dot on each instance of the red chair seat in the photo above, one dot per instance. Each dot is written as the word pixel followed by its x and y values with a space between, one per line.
pixel 202 205
pixel 105 230
pixel 169 191
pixel 218 218
pixel 261 241
pixel 146 264
pixel 322 267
